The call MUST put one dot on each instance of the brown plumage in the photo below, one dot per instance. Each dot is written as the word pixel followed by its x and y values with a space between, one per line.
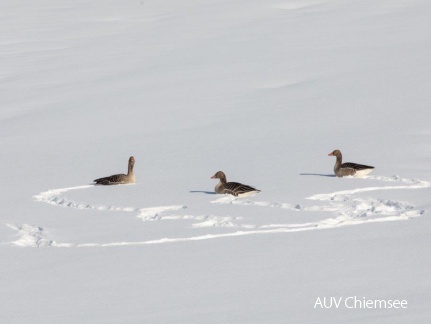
pixel 232 188
pixel 348 169
pixel 119 178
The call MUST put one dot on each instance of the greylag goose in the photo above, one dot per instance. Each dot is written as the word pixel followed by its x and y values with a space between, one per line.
pixel 232 188
pixel 119 178
pixel 348 168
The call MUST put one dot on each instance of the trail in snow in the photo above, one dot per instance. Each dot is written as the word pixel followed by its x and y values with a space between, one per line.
pixel 348 203
pixel 349 207
pixel 31 236
pixel 228 199
pixel 203 220
pixel 35 236
pixel 410 184
pixel 53 197
pixel 56 197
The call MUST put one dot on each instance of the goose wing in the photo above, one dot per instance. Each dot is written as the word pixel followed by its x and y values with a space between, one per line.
pixel 355 166
pixel 111 180
pixel 235 188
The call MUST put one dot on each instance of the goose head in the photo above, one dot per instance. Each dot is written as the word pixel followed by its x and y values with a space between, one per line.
pixel 336 153
pixel 219 175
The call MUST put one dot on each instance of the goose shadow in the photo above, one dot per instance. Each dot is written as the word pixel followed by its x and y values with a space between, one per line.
pixel 318 174
pixel 202 191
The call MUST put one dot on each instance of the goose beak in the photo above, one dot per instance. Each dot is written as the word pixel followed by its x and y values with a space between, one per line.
pixel 213 177
pixel 330 154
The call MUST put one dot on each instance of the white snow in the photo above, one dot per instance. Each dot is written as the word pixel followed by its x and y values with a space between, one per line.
pixel 261 90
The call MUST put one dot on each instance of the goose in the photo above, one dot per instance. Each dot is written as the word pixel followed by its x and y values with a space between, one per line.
pixel 233 188
pixel 348 168
pixel 119 178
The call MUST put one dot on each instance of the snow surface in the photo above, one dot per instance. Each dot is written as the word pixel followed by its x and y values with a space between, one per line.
pixel 262 90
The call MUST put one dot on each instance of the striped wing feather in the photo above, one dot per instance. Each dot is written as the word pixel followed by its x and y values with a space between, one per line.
pixel 111 180
pixel 235 188
pixel 354 166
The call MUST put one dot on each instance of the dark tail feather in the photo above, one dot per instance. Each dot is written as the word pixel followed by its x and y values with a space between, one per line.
pixel 102 181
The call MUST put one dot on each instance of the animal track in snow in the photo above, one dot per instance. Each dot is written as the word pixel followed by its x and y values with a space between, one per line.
pixel 215 221
pixel 204 220
pixel 228 199
pixel 31 236
pixel 349 206
pixel 53 197
pixel 154 213
pixel 411 184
